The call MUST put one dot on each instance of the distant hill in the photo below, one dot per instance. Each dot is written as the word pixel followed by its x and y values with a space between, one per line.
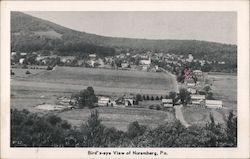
pixel 33 34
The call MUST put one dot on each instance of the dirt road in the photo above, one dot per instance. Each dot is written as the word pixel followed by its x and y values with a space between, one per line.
pixel 179 115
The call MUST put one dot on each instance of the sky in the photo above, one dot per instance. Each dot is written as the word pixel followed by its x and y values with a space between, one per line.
pixel 208 26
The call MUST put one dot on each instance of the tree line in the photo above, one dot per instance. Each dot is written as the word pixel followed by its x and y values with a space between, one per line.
pixel 33 130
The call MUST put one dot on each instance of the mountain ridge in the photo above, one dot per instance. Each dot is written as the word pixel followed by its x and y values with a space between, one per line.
pixel 27 26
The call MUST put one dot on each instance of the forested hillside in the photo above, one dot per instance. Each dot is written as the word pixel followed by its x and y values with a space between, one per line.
pixel 33 34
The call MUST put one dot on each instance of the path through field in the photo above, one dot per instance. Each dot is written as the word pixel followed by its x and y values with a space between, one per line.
pixel 179 116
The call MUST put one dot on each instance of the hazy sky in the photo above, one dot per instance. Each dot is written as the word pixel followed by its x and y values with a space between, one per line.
pixel 208 26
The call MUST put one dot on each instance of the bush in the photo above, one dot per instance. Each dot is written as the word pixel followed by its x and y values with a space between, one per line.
pixel 158 107
pixel 49 68
pixel 27 72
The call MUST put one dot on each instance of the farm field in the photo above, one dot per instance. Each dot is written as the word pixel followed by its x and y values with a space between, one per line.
pixel 45 87
pixel 103 81
pixel 224 87
pixel 119 117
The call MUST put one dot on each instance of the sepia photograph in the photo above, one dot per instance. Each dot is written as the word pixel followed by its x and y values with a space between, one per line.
pixel 124 79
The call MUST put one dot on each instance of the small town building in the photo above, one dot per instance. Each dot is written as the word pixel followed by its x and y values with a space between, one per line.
pixel 198 73
pixel 145 61
pixel 103 101
pixel 23 54
pixel 145 67
pixel 13 53
pixel 92 55
pixel 129 100
pixel 67 59
pixel 124 65
pixel 213 103
pixel 192 90
pixel 167 102
pixel 21 60
pixel 197 99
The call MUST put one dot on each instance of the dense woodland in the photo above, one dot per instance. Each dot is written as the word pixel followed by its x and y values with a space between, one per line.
pixel 32 130
pixel 30 34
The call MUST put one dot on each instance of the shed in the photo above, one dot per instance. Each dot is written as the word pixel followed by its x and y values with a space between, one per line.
pixel 167 102
pixel 214 103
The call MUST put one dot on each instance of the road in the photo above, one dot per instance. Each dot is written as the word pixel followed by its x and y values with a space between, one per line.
pixel 179 115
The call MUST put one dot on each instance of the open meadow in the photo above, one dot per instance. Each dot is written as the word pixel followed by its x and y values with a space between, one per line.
pixel 224 87
pixel 104 81
pixel 119 117
pixel 45 87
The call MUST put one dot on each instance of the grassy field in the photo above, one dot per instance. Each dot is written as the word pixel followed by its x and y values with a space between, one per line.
pixel 42 86
pixel 23 98
pixel 224 87
pixel 200 116
pixel 119 117
pixel 104 81
pixel 106 78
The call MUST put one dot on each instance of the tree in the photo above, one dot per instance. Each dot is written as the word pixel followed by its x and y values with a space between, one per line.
pixel 147 98
pixel 157 98
pixel 184 96
pixel 27 72
pixel 173 95
pixel 152 98
pixel 135 129
pixel 93 131
pixel 138 97
pixel 87 98
pixel 231 130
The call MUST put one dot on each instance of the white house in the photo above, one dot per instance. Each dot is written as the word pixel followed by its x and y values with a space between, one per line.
pixel 213 103
pixel 145 61
pixel 197 99
pixel 191 90
pixel 103 101
pixel 23 54
pixel 167 102
pixel 21 60
pixel 92 55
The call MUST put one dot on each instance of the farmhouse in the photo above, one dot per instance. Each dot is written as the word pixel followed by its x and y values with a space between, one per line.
pixel 167 102
pixel 129 100
pixel 103 101
pixel 197 99
pixel 213 103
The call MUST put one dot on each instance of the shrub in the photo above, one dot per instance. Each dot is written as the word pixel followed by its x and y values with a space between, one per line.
pixel 27 72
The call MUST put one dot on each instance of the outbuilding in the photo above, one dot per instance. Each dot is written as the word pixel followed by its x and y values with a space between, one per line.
pixel 214 103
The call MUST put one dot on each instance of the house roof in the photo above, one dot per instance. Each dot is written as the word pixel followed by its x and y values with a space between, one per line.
pixel 214 102
pixel 195 96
